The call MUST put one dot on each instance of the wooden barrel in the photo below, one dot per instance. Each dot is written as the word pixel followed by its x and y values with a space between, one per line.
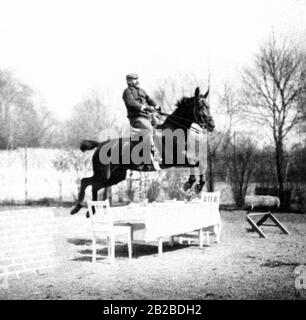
pixel 257 201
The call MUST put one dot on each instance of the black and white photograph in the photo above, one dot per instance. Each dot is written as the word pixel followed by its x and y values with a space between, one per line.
pixel 153 150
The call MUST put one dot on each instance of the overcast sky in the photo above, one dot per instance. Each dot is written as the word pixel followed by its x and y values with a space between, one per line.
pixel 64 49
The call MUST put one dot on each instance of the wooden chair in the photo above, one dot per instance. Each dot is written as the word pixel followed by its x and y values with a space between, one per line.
pixel 211 202
pixel 103 226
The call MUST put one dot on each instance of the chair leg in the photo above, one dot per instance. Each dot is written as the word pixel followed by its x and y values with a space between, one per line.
pixel 130 245
pixel 217 231
pixel 201 238
pixel 108 247
pixel 160 246
pixel 207 238
pixel 171 241
pixel 94 250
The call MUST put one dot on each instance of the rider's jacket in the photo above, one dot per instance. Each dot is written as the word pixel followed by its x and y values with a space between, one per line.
pixel 134 98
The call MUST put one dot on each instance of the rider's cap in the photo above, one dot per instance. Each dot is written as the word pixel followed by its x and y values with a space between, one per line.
pixel 131 76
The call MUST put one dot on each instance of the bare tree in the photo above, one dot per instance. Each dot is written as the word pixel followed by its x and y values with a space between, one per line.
pixel 302 102
pixel 9 94
pixel 241 162
pixel 89 118
pixel 219 141
pixel 272 91
pixel 22 123
pixel 229 106
pixel 214 145
pixel 74 162
pixel 171 90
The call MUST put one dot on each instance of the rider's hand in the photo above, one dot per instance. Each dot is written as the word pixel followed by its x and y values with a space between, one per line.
pixel 158 108
pixel 149 108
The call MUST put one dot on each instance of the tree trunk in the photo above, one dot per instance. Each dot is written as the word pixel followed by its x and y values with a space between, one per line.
pixel 210 173
pixel 279 157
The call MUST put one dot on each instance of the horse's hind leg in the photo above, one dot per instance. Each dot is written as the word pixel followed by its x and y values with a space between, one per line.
pixel 105 194
pixel 100 177
pixel 85 182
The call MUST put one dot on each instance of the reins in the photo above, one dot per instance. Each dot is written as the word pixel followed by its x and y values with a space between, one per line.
pixel 170 116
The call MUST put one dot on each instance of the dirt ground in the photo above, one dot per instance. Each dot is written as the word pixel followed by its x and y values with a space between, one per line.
pixel 242 266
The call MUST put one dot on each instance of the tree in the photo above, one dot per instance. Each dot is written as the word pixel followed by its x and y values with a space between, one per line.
pixel 22 124
pixel 169 91
pixel 74 162
pixel 265 170
pixel 154 189
pixel 241 162
pixel 214 145
pixel 297 174
pixel 218 142
pixel 272 89
pixel 230 107
pixel 89 118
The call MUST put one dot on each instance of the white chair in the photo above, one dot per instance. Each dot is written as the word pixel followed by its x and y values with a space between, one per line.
pixel 211 202
pixel 103 226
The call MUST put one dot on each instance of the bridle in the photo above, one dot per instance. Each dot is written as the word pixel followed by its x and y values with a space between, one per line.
pixel 196 119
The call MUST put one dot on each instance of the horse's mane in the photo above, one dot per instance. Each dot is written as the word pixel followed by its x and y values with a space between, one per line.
pixel 183 101
pixel 180 111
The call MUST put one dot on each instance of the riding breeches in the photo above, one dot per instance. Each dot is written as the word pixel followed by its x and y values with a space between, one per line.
pixel 143 128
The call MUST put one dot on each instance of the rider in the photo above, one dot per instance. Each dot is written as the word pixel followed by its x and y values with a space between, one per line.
pixel 140 108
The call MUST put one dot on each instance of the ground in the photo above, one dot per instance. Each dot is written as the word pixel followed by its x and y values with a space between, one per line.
pixel 241 266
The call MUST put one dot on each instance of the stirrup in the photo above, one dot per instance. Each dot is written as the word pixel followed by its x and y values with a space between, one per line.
pixel 155 159
pixel 156 155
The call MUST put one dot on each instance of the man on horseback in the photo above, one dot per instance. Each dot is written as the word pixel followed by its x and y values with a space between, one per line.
pixel 189 111
pixel 140 112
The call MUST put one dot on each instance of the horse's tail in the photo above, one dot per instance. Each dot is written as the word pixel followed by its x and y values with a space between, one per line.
pixel 88 145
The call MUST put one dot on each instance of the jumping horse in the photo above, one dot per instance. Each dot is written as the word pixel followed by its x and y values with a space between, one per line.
pixel 189 110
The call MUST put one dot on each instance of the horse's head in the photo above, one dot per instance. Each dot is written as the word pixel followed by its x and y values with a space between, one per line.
pixel 202 110
pixel 193 110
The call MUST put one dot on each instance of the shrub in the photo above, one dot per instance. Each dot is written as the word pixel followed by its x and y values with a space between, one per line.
pixel 154 189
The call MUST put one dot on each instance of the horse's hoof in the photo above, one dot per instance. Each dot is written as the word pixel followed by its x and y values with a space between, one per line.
pixel 87 214
pixel 198 188
pixel 186 186
pixel 76 209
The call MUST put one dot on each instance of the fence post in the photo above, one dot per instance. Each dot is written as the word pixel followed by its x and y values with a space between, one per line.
pixel 25 175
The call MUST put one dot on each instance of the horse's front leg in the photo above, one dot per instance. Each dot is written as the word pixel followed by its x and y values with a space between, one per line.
pixel 191 180
pixel 94 196
pixel 199 186
pixel 85 182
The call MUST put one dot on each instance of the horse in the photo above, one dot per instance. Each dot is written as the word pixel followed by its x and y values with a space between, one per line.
pixel 189 110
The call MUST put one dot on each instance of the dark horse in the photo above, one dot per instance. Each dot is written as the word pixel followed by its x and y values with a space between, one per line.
pixel 189 110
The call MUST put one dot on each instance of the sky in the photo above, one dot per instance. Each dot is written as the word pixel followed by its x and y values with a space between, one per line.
pixel 64 49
